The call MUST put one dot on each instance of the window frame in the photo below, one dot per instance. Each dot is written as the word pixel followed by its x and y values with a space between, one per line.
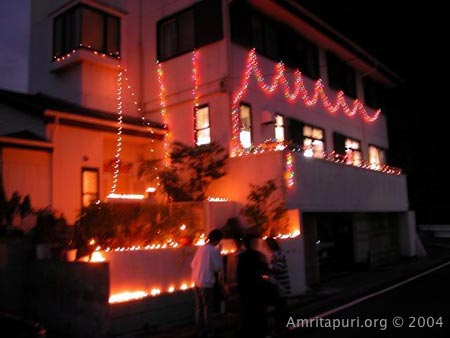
pixel 323 140
pixel 283 126
pixel 90 169
pixel 196 109
pixel 382 149
pixel 79 31
pixel 246 104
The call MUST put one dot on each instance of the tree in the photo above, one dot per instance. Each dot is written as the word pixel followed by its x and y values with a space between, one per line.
pixel 192 170
pixel 264 211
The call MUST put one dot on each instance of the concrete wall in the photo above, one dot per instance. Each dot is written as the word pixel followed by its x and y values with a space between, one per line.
pixel 15 257
pixel 28 172
pixel 323 186
pixel 148 269
pixel 71 299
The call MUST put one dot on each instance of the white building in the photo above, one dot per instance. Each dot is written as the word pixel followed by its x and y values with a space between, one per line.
pixel 218 79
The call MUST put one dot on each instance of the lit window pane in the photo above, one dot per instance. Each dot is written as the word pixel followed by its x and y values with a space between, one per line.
pixel 318 148
pixel 246 138
pixel 307 131
pixel 245 116
pixel 203 136
pixel 202 118
pixel 317 134
pixel 279 134
pixel 90 186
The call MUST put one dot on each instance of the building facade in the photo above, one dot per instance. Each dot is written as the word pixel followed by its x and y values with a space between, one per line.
pixel 288 96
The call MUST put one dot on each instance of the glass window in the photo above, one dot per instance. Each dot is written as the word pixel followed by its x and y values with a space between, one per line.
pixel 376 156
pixel 92 29
pixel 313 142
pixel 86 27
pixel 279 128
pixel 191 28
pixel 202 126
pixel 245 114
pixel 353 151
pixel 90 193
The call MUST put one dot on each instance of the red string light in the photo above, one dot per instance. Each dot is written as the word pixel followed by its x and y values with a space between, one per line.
pixel 299 90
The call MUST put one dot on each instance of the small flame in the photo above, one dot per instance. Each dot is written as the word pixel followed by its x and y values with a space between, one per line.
pixel 171 289
pixel 97 256
pixel 183 227
pixel 184 287
pixel 155 292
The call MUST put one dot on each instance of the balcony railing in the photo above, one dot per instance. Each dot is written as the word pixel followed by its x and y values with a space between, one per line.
pixel 334 157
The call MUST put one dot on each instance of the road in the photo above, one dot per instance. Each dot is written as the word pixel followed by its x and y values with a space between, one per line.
pixel 421 307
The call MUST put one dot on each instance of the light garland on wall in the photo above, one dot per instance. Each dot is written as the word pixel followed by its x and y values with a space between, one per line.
pixel 195 80
pixel 291 96
pixel 119 133
pixel 289 170
pixel 163 107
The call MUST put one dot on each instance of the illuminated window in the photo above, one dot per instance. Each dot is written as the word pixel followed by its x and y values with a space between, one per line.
pixel 376 156
pixel 353 151
pixel 85 27
pixel 202 126
pixel 90 184
pixel 279 128
pixel 313 141
pixel 245 136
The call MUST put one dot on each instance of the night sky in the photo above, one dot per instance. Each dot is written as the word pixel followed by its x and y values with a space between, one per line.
pixel 408 39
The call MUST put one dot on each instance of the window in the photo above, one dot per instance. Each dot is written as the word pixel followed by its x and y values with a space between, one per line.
pixel 374 95
pixel 279 128
pixel 341 76
pixel 376 156
pixel 85 27
pixel 313 141
pixel 353 151
pixel 310 139
pixel 191 28
pixel 272 39
pixel 245 115
pixel 90 184
pixel 348 147
pixel 202 126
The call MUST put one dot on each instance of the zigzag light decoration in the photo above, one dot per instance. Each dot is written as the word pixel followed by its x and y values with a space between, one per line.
pixel 279 79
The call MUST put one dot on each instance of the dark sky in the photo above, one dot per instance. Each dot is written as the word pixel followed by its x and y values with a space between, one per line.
pixel 14 33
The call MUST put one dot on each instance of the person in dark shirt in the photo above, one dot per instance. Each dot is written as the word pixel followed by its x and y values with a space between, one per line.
pixel 279 277
pixel 252 279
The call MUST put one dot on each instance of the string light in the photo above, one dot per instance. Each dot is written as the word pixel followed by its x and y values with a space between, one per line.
pixel 89 48
pixel 299 90
pixel 119 132
pixel 289 171
pixel 195 80
pixel 163 105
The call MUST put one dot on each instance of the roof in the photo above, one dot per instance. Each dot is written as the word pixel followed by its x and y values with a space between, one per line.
pixel 37 104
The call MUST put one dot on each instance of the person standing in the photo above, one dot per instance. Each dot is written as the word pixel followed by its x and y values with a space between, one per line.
pixel 252 279
pixel 207 269
pixel 279 277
